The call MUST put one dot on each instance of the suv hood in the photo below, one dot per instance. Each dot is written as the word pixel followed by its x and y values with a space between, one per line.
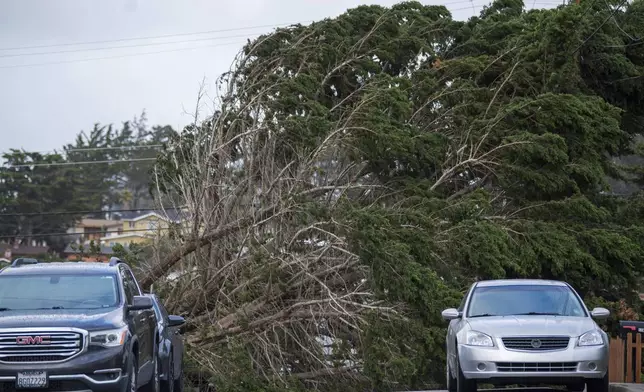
pixel 501 326
pixel 89 319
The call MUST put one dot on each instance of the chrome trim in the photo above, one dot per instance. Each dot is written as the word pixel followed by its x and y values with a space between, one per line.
pixel 78 377
pixel 27 331
pixel 545 341
pixel 85 377
pixel 537 367
pixel 105 371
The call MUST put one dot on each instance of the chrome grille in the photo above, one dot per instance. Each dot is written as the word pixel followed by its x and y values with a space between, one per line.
pixel 534 367
pixel 536 343
pixel 39 345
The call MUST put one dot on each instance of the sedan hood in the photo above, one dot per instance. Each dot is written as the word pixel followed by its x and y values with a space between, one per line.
pixel 501 326
pixel 89 319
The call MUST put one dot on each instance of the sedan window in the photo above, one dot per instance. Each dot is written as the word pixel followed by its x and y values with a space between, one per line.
pixel 461 306
pixel 524 300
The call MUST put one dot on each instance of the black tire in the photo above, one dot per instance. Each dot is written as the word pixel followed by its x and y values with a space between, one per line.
pixel 451 381
pixel 178 383
pixel 462 383
pixel 597 384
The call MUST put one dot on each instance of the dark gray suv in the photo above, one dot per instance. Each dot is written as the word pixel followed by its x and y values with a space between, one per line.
pixel 75 326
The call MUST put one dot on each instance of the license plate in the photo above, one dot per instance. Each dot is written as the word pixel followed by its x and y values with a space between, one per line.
pixel 32 379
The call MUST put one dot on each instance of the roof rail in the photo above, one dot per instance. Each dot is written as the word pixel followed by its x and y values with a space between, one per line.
pixel 23 261
pixel 115 261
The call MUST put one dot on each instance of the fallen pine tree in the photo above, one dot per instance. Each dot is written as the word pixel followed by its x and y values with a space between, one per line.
pixel 358 173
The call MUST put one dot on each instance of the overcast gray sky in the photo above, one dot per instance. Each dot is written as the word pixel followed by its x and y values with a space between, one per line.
pixel 46 99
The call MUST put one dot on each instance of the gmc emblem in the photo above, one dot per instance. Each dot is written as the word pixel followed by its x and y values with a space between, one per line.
pixel 33 340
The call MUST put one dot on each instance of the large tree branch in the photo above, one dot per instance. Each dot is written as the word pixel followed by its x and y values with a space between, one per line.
pixel 162 268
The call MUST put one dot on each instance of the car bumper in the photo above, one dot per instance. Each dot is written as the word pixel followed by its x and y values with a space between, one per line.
pixel 499 364
pixel 96 371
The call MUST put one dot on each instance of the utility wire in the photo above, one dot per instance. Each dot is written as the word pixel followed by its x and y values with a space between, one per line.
pixel 114 148
pixel 152 37
pixel 179 49
pixel 117 57
pixel 184 34
pixel 90 149
pixel 122 46
pixel 109 41
pixel 84 212
pixel 612 14
pixel 79 163
pixel 61 234
pixel 620 27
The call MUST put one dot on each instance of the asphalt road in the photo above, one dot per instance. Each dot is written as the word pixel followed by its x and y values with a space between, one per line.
pixel 504 390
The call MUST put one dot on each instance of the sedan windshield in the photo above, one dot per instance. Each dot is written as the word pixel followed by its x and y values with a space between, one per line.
pixel 527 300
pixel 29 292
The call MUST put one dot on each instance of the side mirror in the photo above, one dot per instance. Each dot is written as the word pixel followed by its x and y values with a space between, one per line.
pixel 600 313
pixel 450 314
pixel 175 321
pixel 141 302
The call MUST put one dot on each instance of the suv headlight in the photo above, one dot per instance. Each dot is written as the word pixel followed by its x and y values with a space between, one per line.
pixel 108 337
pixel 475 338
pixel 591 338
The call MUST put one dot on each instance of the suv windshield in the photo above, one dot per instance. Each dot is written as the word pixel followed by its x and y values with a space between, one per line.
pixel 86 291
pixel 524 300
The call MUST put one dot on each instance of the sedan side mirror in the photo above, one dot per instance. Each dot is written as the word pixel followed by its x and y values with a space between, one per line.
pixel 600 313
pixel 141 302
pixel 175 321
pixel 451 314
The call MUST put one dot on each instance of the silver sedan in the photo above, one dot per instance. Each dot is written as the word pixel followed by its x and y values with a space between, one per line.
pixel 526 332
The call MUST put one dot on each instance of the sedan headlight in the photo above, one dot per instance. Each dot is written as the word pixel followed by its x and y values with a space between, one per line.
pixel 475 338
pixel 108 338
pixel 591 338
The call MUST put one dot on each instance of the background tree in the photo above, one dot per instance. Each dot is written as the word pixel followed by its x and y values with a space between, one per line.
pixel 26 191
pixel 42 199
pixel 124 182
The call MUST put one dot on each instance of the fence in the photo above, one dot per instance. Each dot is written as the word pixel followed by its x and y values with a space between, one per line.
pixel 625 361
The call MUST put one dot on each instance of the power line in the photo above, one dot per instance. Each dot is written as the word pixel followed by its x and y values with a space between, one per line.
pixel 121 47
pixel 90 211
pixel 89 149
pixel 61 234
pixel 175 50
pixel 79 163
pixel 152 37
pixel 611 15
pixel 183 34
pixel 114 148
pixel 116 57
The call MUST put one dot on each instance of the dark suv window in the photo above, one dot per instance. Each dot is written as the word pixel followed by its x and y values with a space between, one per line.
pixel 129 284
pixel 160 310
pixel 72 291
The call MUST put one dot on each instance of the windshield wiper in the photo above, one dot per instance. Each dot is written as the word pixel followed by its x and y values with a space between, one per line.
pixel 483 315
pixel 539 314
